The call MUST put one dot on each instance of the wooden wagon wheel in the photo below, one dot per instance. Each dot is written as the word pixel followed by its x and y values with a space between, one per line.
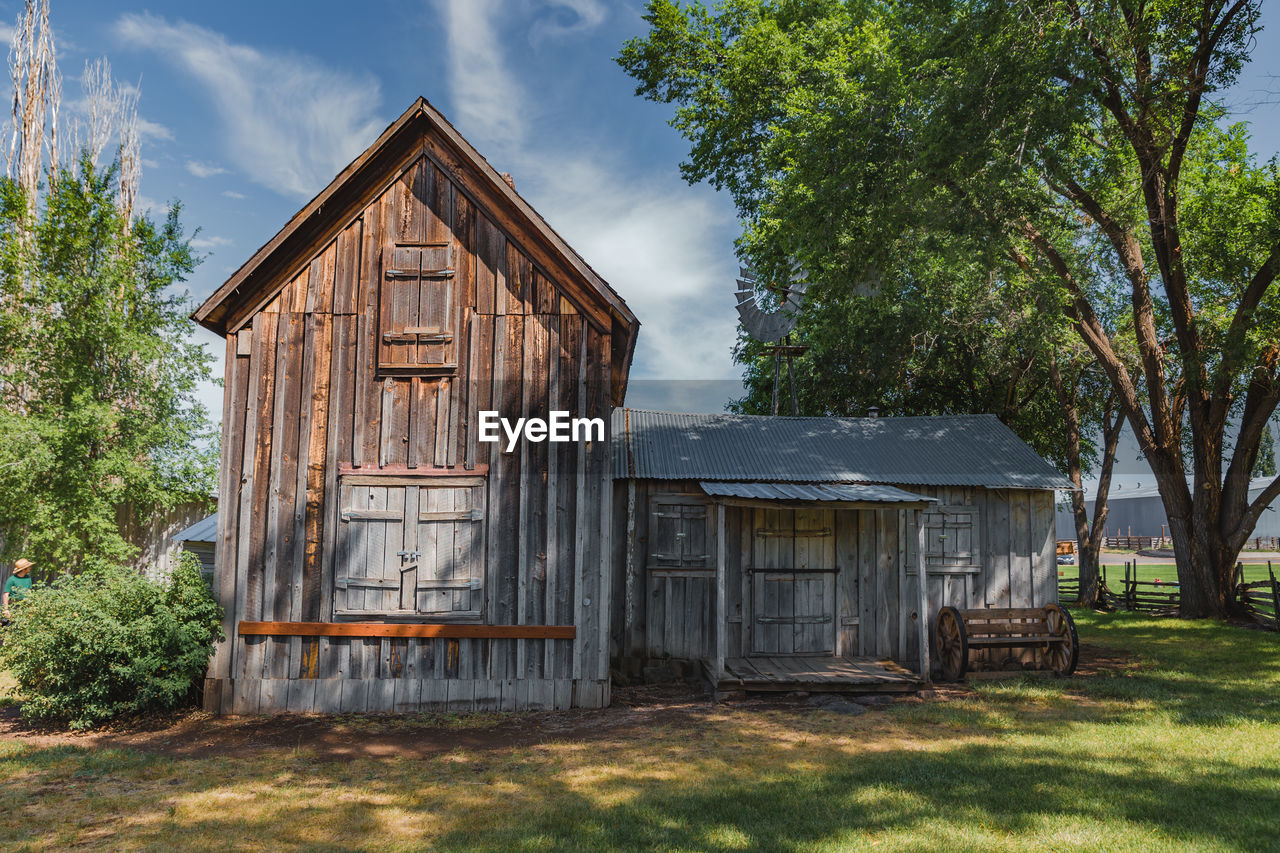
pixel 952 644
pixel 1061 657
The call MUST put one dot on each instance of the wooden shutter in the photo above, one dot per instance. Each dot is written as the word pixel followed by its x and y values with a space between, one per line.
pixel 451 538
pixel 417 310
pixel 373 553
pixel 951 539
pixel 678 537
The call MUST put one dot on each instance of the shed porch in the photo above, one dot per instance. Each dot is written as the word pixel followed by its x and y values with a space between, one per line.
pixel 817 674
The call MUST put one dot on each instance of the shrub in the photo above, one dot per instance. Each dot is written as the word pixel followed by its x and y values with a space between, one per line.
pixel 100 645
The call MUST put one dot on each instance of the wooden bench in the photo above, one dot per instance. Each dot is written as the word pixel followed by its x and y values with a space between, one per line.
pixel 1049 629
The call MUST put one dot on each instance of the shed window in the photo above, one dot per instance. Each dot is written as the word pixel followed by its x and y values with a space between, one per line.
pixel 417 310
pixel 951 539
pixel 415 550
pixel 678 536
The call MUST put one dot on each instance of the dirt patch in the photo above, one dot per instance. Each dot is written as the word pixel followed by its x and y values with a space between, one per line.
pixel 331 737
pixel 1095 660
pixel 335 737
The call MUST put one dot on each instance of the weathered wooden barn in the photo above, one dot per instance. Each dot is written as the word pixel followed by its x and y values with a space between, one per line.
pixel 372 553
pixel 779 552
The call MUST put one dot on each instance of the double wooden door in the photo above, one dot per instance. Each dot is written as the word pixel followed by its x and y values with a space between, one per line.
pixel 792 577
pixel 415 548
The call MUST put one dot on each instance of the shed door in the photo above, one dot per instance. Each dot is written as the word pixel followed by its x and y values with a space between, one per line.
pixel 410 550
pixel 793 582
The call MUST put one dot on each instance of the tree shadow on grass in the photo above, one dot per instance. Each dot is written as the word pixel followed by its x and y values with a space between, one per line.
pixel 774 793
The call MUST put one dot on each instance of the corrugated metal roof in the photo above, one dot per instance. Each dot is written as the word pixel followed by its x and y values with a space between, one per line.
pixel 862 492
pixel 959 450
pixel 205 530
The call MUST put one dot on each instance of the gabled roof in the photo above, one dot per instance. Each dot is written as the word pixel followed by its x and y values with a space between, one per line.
pixel 962 450
pixel 421 129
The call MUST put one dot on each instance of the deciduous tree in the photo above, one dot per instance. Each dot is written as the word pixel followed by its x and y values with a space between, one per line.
pixel 837 125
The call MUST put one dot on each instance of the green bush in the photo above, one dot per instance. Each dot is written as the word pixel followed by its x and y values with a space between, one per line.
pixel 92 647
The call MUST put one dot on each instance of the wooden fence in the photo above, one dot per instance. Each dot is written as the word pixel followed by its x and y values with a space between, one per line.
pixel 1261 599
pixel 1139 543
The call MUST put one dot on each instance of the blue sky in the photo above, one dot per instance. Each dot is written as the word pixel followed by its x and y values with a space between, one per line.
pixel 251 108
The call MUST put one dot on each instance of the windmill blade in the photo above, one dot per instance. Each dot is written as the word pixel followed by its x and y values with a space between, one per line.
pixel 769 326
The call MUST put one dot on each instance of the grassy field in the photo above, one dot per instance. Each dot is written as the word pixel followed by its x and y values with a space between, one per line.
pixel 1175 749
pixel 1153 571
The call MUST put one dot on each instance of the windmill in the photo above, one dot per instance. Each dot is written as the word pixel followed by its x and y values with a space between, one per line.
pixel 773 325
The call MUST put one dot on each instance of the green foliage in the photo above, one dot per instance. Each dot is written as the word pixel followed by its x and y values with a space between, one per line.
pixel 98 372
pixel 945 331
pixel 92 647
pixel 1265 465
pixel 1084 142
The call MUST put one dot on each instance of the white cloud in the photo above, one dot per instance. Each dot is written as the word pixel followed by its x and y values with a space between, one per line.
pixel 567 17
pixel 664 246
pixel 290 122
pixel 154 131
pixel 149 206
pixel 233 194
pixel 204 170
pixel 204 244
pixel 486 98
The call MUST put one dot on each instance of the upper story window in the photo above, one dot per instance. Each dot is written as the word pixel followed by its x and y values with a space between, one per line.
pixel 417 310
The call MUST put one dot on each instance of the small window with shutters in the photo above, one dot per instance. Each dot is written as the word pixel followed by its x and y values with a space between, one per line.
pixel 417 311
pixel 678 534
pixel 410 550
pixel 951 539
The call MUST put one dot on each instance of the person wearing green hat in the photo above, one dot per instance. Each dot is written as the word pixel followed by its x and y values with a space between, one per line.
pixel 18 585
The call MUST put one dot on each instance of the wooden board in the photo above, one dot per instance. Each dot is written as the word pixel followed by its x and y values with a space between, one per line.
pixel 397 629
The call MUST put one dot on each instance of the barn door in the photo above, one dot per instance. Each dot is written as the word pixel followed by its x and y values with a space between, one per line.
pixel 793 582
pixel 415 550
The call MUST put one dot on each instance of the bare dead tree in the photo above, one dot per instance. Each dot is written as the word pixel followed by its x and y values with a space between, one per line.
pixel 37 90
pixel 104 101
pixel 130 158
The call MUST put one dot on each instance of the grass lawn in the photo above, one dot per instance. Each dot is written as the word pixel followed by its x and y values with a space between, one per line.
pixel 1179 750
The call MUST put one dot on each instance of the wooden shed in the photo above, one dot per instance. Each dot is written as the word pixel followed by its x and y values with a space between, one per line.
pixel 372 553
pixel 782 552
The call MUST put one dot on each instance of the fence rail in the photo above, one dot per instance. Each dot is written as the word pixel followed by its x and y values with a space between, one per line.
pixel 1260 599
pixel 1140 543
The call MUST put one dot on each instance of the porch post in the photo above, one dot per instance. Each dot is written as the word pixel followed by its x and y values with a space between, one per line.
pixel 717 667
pixel 923 585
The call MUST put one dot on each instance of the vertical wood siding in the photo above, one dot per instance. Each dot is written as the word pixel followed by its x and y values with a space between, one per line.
pixel 1001 555
pixel 305 402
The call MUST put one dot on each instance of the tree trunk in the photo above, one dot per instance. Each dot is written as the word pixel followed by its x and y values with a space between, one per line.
pixel 1206 560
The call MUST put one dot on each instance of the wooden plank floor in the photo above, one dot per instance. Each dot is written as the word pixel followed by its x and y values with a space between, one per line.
pixel 845 675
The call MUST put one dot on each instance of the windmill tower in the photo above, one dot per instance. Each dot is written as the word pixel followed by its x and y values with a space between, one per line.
pixel 773 326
